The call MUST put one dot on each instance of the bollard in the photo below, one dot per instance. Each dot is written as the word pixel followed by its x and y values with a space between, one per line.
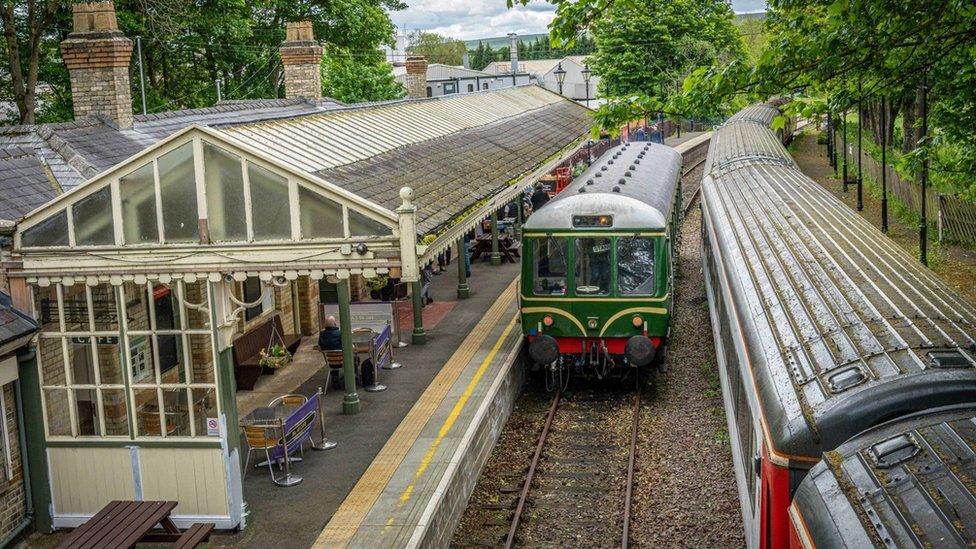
pixel 323 443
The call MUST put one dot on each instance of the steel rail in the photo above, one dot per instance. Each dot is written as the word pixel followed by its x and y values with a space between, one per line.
pixel 628 498
pixel 697 193
pixel 523 496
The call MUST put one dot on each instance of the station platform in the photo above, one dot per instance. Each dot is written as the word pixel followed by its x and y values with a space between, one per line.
pixel 402 438
pixel 425 472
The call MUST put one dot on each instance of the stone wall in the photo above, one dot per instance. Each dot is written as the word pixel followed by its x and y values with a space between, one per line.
pixel 308 305
pixel 303 81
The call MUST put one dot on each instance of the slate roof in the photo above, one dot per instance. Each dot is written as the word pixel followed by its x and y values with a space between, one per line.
pixel 441 170
pixel 13 323
pixel 24 182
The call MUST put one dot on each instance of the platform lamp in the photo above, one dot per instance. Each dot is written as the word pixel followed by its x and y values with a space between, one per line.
pixel 587 74
pixel 560 76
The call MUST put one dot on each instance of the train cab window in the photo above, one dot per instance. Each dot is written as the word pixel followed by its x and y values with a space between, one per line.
pixel 549 266
pixel 635 265
pixel 592 266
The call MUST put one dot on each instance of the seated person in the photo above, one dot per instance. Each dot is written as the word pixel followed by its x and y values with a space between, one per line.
pixel 330 338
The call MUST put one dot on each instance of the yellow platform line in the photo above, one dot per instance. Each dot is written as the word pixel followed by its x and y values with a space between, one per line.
pixel 351 513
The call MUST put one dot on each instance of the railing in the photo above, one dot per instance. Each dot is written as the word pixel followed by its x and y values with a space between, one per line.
pixel 955 217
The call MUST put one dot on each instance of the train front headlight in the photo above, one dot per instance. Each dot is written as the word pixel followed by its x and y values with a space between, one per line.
pixel 547 321
pixel 637 321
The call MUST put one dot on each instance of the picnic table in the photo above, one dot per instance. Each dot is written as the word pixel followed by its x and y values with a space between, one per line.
pixel 507 247
pixel 122 524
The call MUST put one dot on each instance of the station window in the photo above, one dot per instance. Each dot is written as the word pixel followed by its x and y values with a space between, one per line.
pixel 132 361
pixel 549 266
pixel 592 266
pixel 635 265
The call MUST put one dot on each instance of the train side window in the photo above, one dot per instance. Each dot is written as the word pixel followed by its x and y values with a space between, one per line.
pixel 592 266
pixel 549 266
pixel 635 265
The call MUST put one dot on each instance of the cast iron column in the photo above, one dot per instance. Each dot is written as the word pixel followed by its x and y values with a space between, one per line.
pixel 884 166
pixel 419 335
pixel 923 228
pixel 350 402
pixel 463 292
pixel 860 176
pixel 496 258
pixel 844 152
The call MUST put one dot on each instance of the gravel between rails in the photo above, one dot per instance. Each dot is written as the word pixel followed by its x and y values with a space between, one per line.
pixel 685 493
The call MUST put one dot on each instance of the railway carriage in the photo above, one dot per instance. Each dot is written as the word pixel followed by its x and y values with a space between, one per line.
pixel 823 326
pixel 907 483
pixel 597 264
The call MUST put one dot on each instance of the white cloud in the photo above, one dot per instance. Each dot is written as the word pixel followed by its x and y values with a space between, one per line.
pixel 469 19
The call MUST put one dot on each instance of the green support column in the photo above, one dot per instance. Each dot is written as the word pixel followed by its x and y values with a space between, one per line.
pixel 40 487
pixel 419 335
pixel 226 383
pixel 463 292
pixel 518 217
pixel 350 402
pixel 496 258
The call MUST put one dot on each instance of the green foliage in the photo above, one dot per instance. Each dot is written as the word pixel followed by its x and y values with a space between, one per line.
pixel 189 45
pixel 437 48
pixel 356 79
pixel 650 46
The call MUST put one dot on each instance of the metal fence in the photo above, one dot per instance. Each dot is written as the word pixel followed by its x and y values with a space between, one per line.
pixel 955 217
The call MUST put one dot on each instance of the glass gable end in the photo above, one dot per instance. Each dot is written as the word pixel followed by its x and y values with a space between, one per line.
pixel 200 192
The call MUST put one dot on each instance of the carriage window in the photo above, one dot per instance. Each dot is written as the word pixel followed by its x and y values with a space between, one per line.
pixel 592 266
pixel 549 266
pixel 635 265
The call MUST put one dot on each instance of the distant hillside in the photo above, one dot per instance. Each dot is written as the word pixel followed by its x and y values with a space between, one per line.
pixel 502 41
pixel 743 17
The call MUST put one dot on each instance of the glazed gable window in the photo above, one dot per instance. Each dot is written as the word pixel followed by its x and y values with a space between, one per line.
pixel 198 192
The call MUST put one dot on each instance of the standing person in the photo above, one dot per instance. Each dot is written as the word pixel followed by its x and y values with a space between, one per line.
pixel 466 254
pixel 539 197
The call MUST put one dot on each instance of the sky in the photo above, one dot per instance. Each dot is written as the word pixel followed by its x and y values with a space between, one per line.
pixel 469 19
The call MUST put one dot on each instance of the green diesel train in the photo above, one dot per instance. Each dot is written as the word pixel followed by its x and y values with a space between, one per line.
pixel 597 265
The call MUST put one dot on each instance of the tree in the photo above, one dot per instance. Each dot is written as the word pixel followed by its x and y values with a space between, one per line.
pixel 356 79
pixel 25 25
pixel 649 46
pixel 188 45
pixel 437 48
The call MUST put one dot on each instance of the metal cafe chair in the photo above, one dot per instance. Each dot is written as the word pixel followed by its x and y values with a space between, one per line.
pixel 259 438
pixel 288 400
pixel 291 401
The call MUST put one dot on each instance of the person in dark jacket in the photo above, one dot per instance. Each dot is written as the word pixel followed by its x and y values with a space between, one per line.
pixel 539 197
pixel 330 338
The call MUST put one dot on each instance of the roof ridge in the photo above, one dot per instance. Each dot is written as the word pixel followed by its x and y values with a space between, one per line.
pixel 224 106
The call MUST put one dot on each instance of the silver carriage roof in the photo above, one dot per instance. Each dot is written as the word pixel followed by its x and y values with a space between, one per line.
pixel 634 182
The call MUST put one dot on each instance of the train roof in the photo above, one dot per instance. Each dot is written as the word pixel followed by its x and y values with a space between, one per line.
pixel 907 483
pixel 843 329
pixel 745 140
pixel 635 182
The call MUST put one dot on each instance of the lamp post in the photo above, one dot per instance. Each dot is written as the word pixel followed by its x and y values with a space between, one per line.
pixel 587 73
pixel 560 76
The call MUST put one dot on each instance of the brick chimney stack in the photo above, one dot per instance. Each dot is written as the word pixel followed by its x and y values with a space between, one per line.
pixel 301 55
pixel 416 82
pixel 97 56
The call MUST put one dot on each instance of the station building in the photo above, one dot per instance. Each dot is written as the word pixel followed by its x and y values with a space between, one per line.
pixel 144 246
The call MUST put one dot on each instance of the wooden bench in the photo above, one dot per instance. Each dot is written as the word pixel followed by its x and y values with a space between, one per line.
pixel 248 347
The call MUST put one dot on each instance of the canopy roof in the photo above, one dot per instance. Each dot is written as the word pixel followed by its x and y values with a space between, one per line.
pixel 234 196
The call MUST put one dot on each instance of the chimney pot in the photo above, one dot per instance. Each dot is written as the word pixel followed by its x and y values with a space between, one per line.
pixel 301 56
pixel 97 56
pixel 416 80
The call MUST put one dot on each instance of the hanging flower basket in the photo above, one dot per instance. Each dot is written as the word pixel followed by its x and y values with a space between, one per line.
pixel 274 357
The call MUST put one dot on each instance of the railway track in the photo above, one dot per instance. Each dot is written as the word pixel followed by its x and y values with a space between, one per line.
pixel 691 194
pixel 579 481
